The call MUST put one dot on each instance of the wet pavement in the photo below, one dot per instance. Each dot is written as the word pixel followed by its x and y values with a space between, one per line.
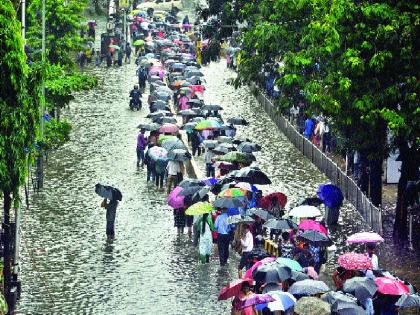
pixel 67 264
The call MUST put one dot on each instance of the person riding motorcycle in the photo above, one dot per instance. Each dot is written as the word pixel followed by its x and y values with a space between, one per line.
pixel 135 101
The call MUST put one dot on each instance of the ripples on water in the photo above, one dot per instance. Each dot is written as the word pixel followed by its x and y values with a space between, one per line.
pixel 67 265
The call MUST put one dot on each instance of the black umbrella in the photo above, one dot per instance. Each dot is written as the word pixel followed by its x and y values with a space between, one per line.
pixel 333 297
pixel 360 287
pixel 308 287
pixel 237 121
pixel 179 155
pixel 347 308
pixel 187 112
pixel 316 238
pixel 252 175
pixel 189 125
pixel 191 190
pixel 200 194
pixel 219 186
pixel 160 113
pixel 210 144
pixel 261 213
pixel 191 182
pixel 108 192
pixel 299 276
pixel 408 301
pixel 159 106
pixel 238 219
pixel 167 120
pixel 249 147
pixel 282 224
pixel 211 107
pixel 195 102
pixel 220 149
pixel 230 202
pixel 149 127
pixel 225 139
pixel 311 201
pixel 174 144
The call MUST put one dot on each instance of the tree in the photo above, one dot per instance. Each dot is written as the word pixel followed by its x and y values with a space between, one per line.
pixel 19 115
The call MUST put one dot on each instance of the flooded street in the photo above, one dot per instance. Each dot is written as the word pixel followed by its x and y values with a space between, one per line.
pixel 67 265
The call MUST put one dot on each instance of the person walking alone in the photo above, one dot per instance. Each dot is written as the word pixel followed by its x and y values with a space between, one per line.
pixel 223 237
pixel 205 226
pixel 141 145
pixel 247 243
pixel 111 210
pixel 128 53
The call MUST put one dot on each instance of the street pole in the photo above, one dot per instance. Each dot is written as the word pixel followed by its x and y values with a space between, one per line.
pixel 124 26
pixel 24 21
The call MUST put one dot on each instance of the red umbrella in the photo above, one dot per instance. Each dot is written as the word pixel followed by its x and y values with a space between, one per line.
pixel 168 128
pixel 312 225
pixel 232 289
pixel 266 201
pixel 391 286
pixel 355 261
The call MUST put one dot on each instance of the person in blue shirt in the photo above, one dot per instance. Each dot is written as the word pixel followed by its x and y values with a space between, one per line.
pixel 223 237
pixel 309 127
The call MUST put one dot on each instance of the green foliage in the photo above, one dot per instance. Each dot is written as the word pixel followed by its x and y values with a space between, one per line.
pixel 18 102
pixel 56 134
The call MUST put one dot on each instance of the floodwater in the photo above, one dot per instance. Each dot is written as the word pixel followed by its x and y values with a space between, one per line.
pixel 68 267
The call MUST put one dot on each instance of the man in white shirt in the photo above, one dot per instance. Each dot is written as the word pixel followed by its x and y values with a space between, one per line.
pixel 208 158
pixel 374 259
pixel 173 169
pixel 247 242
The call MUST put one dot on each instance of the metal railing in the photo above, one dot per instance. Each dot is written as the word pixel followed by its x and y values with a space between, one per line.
pixel 370 213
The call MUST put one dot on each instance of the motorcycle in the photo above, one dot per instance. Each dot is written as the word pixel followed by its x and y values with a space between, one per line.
pixel 135 104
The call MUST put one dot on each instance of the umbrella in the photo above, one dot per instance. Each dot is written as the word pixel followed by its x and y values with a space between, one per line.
pixel 139 42
pixel 249 147
pixel 331 195
pixel 271 273
pixel 360 287
pixel 108 192
pixel 208 125
pixel 232 193
pixel 158 153
pixel 308 287
pixel 200 194
pixel 312 225
pixel 355 261
pixel 238 157
pixel 222 149
pixel 163 138
pixel 195 102
pixel 225 139
pixel 159 105
pixel 246 186
pixel 174 199
pixel 309 305
pixel 391 286
pixel 282 224
pixel 408 301
pixel 299 276
pixel 115 47
pixel 226 166
pixel 160 113
pixel 187 112
pixel 197 119
pixel 191 182
pixel 332 297
pixel 211 107
pixel 266 201
pixel 248 273
pixel 179 155
pixel 209 181
pixel 199 208
pixel 229 202
pixel 167 120
pixel 282 301
pixel 149 127
pixel 316 238
pixel 252 175
pixel 257 299
pixel 169 128
pixel 210 144
pixel 232 289
pixel 364 237
pixel 239 219
pixel 347 308
pixel 292 264
pixel 265 215
pixel 189 125
pixel 173 144
pixel 237 121
pixel 190 190
pixel 305 212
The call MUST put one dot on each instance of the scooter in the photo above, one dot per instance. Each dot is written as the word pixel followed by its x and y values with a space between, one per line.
pixel 135 104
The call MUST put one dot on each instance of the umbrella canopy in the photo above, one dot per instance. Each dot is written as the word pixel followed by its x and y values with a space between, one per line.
pixel 173 144
pixel 139 42
pixel 292 264
pixel 271 273
pixel 108 192
pixel 305 212
pixel 229 202
pixel 267 200
pixel 252 175
pixel 191 190
pixel 237 121
pixel 163 138
pixel 332 297
pixel 311 306
pixel 225 139
pixel 261 213
pixel 159 105
pixel 316 238
pixel 232 289
pixel 355 261
pixel 408 301
pixel 257 299
pixel 282 224
pixel 166 120
pixel 248 273
pixel 331 195
pixel 179 155
pixel 239 219
pixel 312 225
pixel 158 153
pixel 169 128
pixel 308 287
pixel 189 126
pixel 160 113
pixel 365 237
pixel 149 127
pixel 191 182
pixel 299 276
pixel 187 112
pixel 174 199
pixel 199 208
pixel 211 107
pixel 208 125
pixel 391 286
pixel 210 144
pixel 360 287
pixel 347 308
pixel 282 301
pixel 232 193
pixel 249 147
pixel 222 149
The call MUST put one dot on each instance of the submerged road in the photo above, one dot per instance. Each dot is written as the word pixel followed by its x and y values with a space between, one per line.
pixel 67 265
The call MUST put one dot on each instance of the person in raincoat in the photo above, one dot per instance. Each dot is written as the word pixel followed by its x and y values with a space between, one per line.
pixel 205 227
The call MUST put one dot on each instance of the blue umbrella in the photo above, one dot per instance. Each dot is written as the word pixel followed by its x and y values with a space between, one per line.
pixel 330 195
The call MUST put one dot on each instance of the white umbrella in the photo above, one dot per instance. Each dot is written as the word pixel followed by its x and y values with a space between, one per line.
pixel 283 301
pixel 305 212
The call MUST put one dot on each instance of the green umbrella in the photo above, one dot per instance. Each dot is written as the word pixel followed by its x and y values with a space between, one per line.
pixel 292 264
pixel 236 157
pixel 115 47
pixel 139 42
pixel 199 208
pixel 164 138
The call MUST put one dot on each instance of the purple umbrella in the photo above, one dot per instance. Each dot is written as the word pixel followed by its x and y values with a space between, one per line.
pixel 175 200
pixel 209 181
pixel 257 299
pixel 330 195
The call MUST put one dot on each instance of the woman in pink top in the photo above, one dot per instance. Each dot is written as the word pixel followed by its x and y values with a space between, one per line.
pixel 238 301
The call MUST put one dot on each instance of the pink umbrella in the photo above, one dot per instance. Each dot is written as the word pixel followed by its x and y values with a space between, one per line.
pixel 312 225
pixel 391 286
pixel 355 261
pixel 365 237
pixel 232 289
pixel 248 273
pixel 174 199
pixel 257 299
pixel 169 128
